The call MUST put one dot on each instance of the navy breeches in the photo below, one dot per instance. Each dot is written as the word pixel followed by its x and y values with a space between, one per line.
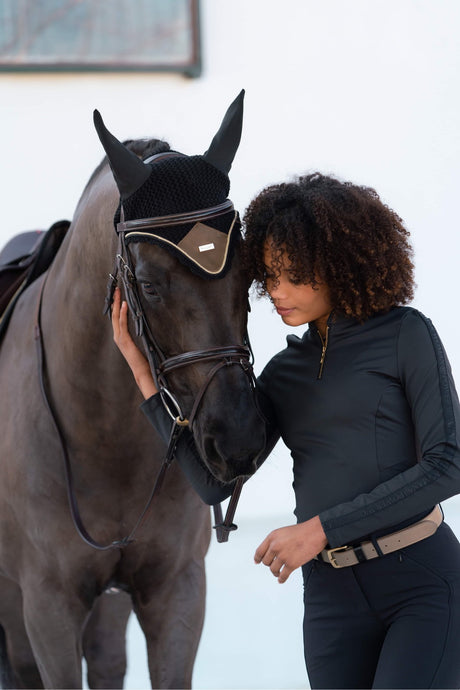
pixel 392 622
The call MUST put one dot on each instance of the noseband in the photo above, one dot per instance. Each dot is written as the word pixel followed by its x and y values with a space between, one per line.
pixel 226 356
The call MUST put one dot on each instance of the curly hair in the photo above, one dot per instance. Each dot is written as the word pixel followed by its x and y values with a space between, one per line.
pixel 334 232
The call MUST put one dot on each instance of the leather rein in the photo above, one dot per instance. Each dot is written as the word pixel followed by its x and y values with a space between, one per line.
pixel 160 366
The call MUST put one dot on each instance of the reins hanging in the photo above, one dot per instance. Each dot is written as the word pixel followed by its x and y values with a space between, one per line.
pixel 160 366
pixel 73 504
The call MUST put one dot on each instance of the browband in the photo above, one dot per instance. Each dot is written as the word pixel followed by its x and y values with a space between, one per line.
pixel 174 219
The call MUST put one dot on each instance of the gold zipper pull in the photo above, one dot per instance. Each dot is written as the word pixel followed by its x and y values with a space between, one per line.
pixel 324 342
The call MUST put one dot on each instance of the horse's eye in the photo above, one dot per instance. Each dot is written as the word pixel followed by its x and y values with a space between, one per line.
pixel 150 290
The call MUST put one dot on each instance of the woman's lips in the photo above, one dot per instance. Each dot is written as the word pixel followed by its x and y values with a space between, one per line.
pixel 284 311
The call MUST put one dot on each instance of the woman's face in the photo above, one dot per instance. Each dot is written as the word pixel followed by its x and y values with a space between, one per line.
pixel 296 303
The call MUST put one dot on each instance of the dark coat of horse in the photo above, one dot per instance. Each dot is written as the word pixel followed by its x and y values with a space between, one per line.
pixel 52 583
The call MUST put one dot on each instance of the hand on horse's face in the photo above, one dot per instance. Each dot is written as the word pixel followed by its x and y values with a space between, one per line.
pixel 128 348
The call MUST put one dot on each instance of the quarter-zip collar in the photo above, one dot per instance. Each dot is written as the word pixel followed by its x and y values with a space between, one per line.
pixel 324 343
pixel 336 324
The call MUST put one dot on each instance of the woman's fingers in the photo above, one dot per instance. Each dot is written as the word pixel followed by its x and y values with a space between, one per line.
pixel 116 313
pixel 276 565
pixel 128 348
pixel 261 550
pixel 284 573
pixel 123 321
pixel 266 554
pixel 288 548
pixel 121 333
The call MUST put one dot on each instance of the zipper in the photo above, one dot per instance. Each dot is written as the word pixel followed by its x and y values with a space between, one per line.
pixel 324 343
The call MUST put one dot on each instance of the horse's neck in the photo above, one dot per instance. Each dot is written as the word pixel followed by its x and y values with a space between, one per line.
pixel 82 361
pixel 90 250
pixel 77 280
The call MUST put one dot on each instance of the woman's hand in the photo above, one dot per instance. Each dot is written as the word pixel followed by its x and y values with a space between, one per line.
pixel 288 548
pixel 128 348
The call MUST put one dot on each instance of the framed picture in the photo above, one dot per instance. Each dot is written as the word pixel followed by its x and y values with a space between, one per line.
pixel 110 35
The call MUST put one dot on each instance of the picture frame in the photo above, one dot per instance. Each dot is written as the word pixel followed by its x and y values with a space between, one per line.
pixel 100 35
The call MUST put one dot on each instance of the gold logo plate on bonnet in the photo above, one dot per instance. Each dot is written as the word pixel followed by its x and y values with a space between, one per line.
pixel 206 246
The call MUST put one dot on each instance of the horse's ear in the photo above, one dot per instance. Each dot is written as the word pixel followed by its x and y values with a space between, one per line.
pixel 225 143
pixel 128 170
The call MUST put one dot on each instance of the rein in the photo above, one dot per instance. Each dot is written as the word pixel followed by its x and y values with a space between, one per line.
pixel 73 504
pixel 160 366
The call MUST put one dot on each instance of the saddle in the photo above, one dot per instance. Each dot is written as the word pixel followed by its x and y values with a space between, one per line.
pixel 23 259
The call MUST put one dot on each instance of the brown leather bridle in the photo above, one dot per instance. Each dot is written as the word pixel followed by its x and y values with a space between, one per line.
pixel 161 365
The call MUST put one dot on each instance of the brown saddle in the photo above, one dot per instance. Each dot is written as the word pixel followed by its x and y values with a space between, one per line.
pixel 23 259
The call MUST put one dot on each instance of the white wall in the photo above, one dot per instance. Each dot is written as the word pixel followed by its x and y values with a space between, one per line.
pixel 366 90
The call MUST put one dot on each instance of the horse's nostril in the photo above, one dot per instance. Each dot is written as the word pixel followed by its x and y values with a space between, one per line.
pixel 225 463
pixel 210 448
pixel 212 455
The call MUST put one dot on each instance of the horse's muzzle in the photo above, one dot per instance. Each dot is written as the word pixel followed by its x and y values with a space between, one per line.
pixel 227 461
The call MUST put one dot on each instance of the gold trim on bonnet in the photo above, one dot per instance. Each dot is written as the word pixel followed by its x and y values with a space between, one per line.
pixel 199 235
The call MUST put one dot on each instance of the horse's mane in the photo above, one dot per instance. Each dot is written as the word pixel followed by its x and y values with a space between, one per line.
pixel 141 147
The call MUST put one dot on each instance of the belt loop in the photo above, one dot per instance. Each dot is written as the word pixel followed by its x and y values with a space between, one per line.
pixel 376 546
pixel 359 553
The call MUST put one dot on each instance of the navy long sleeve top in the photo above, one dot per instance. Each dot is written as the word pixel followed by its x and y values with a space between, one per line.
pixel 370 415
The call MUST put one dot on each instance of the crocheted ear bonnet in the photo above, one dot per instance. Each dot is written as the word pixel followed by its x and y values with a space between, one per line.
pixel 177 201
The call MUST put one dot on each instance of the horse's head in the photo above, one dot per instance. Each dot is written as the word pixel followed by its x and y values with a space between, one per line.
pixel 179 238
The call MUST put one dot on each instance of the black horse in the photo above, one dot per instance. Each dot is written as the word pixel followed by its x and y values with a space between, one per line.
pixel 53 606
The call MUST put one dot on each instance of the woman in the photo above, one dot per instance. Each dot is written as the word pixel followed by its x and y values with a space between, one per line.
pixel 366 404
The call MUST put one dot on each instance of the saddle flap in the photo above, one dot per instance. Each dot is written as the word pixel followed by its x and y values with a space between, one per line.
pixel 21 247
pixel 23 259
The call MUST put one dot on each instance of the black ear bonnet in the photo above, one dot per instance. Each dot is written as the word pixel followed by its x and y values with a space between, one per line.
pixel 179 184
pixel 180 202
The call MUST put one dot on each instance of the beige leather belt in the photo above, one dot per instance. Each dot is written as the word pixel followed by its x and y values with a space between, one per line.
pixel 344 556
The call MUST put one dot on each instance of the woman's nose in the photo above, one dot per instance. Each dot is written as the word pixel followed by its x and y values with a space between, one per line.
pixel 276 289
